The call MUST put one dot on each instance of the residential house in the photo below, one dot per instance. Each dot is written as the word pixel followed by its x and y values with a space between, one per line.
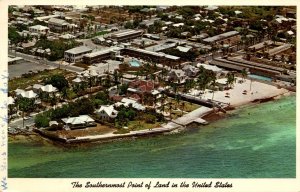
pixel 107 112
pixel 177 76
pixel 190 71
pixel 81 121
pixel 39 29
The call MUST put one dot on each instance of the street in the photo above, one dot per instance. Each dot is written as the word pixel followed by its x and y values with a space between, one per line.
pixel 33 59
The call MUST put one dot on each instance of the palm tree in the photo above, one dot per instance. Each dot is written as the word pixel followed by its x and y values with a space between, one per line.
pixel 244 74
pixel 25 105
pixel 230 79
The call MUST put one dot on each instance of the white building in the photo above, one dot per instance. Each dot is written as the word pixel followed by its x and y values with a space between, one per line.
pixel 76 54
pixel 107 112
pixel 39 29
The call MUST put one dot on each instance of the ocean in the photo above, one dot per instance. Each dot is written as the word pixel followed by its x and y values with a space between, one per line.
pixel 257 141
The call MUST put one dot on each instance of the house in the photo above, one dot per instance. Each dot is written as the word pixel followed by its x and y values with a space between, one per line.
pixel 67 36
pixel 81 121
pixel 48 89
pixel 40 29
pixel 98 40
pixel 177 76
pixel 107 112
pixel 10 101
pixel 127 102
pixel 142 86
pixel 58 25
pixel 27 94
pixel 76 54
pixel 190 70
pixel 37 88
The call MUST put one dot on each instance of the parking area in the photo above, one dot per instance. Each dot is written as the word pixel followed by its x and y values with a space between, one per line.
pixel 20 68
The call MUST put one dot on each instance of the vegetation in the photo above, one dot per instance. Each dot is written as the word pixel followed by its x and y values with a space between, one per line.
pixel 33 78
pixel 57 47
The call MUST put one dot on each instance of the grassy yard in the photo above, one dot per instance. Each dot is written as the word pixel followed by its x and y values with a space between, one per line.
pixel 98 130
pixel 23 82
pixel 140 125
pixel 177 107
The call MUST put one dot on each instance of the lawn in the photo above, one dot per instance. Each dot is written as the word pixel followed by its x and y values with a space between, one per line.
pixel 98 130
pixel 24 82
pixel 140 125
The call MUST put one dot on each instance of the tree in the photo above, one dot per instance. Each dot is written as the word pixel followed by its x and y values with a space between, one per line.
pixel 41 120
pixel 244 74
pixel 58 81
pixel 230 79
pixel 25 105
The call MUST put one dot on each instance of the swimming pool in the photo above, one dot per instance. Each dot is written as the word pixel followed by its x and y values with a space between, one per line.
pixel 134 63
pixel 263 78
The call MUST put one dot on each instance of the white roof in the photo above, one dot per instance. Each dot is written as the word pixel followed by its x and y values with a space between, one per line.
pixel 10 101
pixel 183 49
pixel 39 27
pixel 109 110
pixel 49 88
pixel 178 24
pixel 67 36
pixel 19 91
pixel 37 86
pixel 210 67
pixel 134 103
pixel 78 120
pixel 77 50
pixel 290 32
pixel 238 12
pixel 77 80
pixel 28 94
pixel 222 81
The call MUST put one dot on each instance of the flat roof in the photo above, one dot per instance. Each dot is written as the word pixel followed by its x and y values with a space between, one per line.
pixel 221 36
pixel 101 52
pixel 125 33
pixel 77 50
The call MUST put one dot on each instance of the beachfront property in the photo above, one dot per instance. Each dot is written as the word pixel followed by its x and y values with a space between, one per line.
pixel 107 112
pixel 147 72
pixel 79 122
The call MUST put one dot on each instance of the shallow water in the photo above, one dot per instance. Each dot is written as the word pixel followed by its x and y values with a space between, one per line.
pixel 253 142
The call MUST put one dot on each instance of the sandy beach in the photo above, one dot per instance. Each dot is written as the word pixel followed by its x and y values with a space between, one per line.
pixel 237 98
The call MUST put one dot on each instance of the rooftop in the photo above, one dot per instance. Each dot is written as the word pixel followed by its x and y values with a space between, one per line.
pixel 77 50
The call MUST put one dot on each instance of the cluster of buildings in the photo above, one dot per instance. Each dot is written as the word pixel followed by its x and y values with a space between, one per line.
pixel 138 45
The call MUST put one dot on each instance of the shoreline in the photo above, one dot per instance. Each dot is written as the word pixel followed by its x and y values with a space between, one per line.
pixel 208 115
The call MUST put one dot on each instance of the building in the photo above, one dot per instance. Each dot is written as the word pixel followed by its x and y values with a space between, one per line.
pixel 76 54
pixel 58 25
pixel 98 56
pixel 150 55
pixel 78 122
pixel 127 35
pixel 190 70
pixel 230 38
pixel 177 76
pixel 39 29
pixel 107 112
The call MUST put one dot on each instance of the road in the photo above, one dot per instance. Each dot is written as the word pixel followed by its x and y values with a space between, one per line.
pixel 33 59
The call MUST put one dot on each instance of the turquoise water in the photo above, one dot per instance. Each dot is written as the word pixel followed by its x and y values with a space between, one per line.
pixel 134 63
pixel 260 77
pixel 253 142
